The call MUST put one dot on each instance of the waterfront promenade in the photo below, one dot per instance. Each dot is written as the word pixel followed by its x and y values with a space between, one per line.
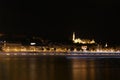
pixel 68 54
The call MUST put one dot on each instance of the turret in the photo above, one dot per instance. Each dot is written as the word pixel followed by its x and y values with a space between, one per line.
pixel 73 37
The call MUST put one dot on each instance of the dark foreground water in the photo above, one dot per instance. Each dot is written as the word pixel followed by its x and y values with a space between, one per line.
pixel 59 68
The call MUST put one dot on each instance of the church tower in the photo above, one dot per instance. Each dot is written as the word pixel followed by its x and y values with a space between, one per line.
pixel 73 37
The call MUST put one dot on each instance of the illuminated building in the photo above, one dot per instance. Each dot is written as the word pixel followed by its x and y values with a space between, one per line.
pixel 81 41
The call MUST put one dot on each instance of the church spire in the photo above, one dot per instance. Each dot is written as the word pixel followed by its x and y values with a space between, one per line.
pixel 73 37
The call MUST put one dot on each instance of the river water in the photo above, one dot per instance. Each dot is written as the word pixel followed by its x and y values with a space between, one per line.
pixel 59 68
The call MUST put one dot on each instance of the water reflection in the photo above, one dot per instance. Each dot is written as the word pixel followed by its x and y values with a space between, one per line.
pixel 33 68
pixel 95 69
pixel 58 68
pixel 83 69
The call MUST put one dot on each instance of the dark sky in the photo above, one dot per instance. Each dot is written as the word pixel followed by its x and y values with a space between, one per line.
pixel 98 19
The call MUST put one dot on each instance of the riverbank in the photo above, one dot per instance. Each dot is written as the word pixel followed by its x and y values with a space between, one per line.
pixel 69 54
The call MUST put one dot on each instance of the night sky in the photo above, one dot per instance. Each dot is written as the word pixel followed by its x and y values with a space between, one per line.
pixel 57 20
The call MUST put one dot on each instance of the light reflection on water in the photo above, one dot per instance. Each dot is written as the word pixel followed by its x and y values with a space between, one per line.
pixel 58 68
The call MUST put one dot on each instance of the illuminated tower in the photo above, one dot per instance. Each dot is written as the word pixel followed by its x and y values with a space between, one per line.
pixel 73 37
pixel 106 45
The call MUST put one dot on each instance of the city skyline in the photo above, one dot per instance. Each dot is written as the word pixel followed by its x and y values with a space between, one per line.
pixel 57 21
pixel 72 38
